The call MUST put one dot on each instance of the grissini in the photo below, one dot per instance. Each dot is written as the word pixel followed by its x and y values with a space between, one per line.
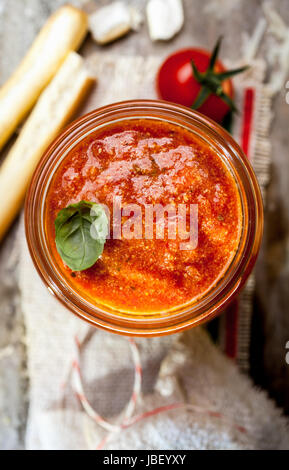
pixel 54 109
pixel 63 32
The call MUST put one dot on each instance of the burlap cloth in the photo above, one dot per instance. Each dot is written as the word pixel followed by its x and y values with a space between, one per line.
pixel 187 368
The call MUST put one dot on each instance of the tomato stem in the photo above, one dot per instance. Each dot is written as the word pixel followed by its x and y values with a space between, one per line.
pixel 211 81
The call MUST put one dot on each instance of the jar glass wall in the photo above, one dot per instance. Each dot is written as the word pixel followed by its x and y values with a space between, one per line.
pixel 185 316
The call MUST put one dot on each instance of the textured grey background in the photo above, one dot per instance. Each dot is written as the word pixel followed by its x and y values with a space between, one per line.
pixel 19 22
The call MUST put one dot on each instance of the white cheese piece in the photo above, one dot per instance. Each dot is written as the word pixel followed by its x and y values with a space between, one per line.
pixel 113 21
pixel 165 18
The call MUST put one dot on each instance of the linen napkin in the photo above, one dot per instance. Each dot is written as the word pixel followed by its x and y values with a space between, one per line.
pixel 218 407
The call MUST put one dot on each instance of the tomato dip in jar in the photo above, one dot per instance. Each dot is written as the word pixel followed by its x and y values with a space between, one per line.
pixel 146 154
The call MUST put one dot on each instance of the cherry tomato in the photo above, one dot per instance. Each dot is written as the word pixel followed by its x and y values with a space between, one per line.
pixel 176 82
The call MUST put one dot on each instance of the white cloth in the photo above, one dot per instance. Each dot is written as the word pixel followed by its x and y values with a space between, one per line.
pixel 181 368
pixel 192 370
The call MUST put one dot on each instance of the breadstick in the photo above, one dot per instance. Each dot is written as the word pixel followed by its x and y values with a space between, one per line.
pixel 55 107
pixel 63 32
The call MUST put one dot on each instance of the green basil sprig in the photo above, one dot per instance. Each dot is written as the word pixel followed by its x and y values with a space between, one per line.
pixel 81 230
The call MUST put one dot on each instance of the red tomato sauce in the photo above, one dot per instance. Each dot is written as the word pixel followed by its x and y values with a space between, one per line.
pixel 149 162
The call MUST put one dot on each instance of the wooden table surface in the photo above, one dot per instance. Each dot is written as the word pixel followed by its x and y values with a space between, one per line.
pixel 204 22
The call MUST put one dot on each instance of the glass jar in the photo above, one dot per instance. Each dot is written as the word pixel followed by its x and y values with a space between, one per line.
pixel 185 316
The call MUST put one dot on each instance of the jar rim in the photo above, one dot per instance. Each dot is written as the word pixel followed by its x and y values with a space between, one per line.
pixel 181 317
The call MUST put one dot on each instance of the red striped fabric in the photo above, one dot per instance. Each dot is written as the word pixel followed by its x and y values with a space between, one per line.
pixel 232 313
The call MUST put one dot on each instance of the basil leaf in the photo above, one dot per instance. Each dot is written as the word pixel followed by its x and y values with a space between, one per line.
pixel 81 230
